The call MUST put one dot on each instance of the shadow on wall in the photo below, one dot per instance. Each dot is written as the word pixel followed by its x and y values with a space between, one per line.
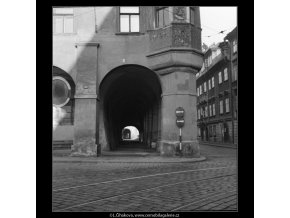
pixel 109 100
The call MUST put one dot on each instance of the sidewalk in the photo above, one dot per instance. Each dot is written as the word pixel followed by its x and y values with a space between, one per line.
pixel 123 157
pixel 219 144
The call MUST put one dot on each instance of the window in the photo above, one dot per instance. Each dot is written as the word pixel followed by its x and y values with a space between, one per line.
pixel 218 51
pixel 235 72
pixel 225 74
pixel 209 85
pixel 63 20
pixel 220 78
pixel 198 113
pixel 212 81
pixel 129 19
pixel 205 111
pixel 213 109
pixel 162 17
pixel 209 60
pixel 235 46
pixel 200 89
pixel 206 63
pixel 227 105
pixel 210 114
pixel 197 90
pixel 61 92
pixel 204 85
pixel 221 107
pixel 191 9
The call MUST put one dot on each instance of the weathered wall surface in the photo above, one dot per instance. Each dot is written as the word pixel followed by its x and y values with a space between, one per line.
pixel 97 47
pixel 63 133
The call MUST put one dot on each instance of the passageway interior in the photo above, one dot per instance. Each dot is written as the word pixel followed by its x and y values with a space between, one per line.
pixel 130 96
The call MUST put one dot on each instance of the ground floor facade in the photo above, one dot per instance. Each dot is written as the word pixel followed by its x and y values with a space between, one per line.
pixel 223 131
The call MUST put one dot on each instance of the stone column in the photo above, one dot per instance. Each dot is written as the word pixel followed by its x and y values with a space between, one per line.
pixel 179 90
pixel 175 54
pixel 85 129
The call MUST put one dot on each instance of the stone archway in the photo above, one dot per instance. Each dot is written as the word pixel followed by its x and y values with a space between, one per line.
pixel 130 95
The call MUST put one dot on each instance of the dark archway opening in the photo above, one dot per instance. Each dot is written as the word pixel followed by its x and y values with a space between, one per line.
pixel 130 96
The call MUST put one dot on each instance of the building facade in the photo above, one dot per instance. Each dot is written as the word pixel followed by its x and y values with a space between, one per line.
pixel 217 102
pixel 126 66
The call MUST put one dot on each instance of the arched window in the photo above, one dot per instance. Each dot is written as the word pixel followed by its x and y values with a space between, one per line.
pixel 62 97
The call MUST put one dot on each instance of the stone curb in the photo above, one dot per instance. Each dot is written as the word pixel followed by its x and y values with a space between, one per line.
pixel 126 160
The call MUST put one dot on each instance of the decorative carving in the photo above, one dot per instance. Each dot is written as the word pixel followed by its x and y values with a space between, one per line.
pixel 181 36
pixel 179 14
pixel 175 35
pixel 159 34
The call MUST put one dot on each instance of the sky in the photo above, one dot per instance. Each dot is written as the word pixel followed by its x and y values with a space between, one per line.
pixel 216 19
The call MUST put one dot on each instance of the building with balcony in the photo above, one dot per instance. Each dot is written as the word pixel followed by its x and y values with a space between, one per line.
pixel 126 66
pixel 217 102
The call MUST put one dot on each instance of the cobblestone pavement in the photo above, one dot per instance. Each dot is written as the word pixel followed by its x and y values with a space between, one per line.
pixel 147 186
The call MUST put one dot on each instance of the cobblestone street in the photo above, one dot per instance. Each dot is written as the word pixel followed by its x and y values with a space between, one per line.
pixel 147 186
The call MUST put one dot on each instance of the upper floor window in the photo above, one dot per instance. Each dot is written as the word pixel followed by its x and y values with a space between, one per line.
pixel 210 114
pixel 227 105
pixel 200 89
pixel 225 74
pixel 213 109
pixel 209 60
pixel 212 81
pixel 235 46
pixel 129 19
pixel 235 72
pixel 221 107
pixel 204 85
pixel 209 85
pixel 191 12
pixel 220 78
pixel 197 90
pixel 205 111
pixel 162 17
pixel 63 20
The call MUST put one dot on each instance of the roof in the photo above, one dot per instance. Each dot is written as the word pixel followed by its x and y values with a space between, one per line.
pixel 232 34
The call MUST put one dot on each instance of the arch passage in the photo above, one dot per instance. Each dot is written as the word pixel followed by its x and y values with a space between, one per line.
pixel 130 96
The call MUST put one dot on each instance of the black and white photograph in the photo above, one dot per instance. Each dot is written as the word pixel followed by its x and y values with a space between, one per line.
pixel 145 109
